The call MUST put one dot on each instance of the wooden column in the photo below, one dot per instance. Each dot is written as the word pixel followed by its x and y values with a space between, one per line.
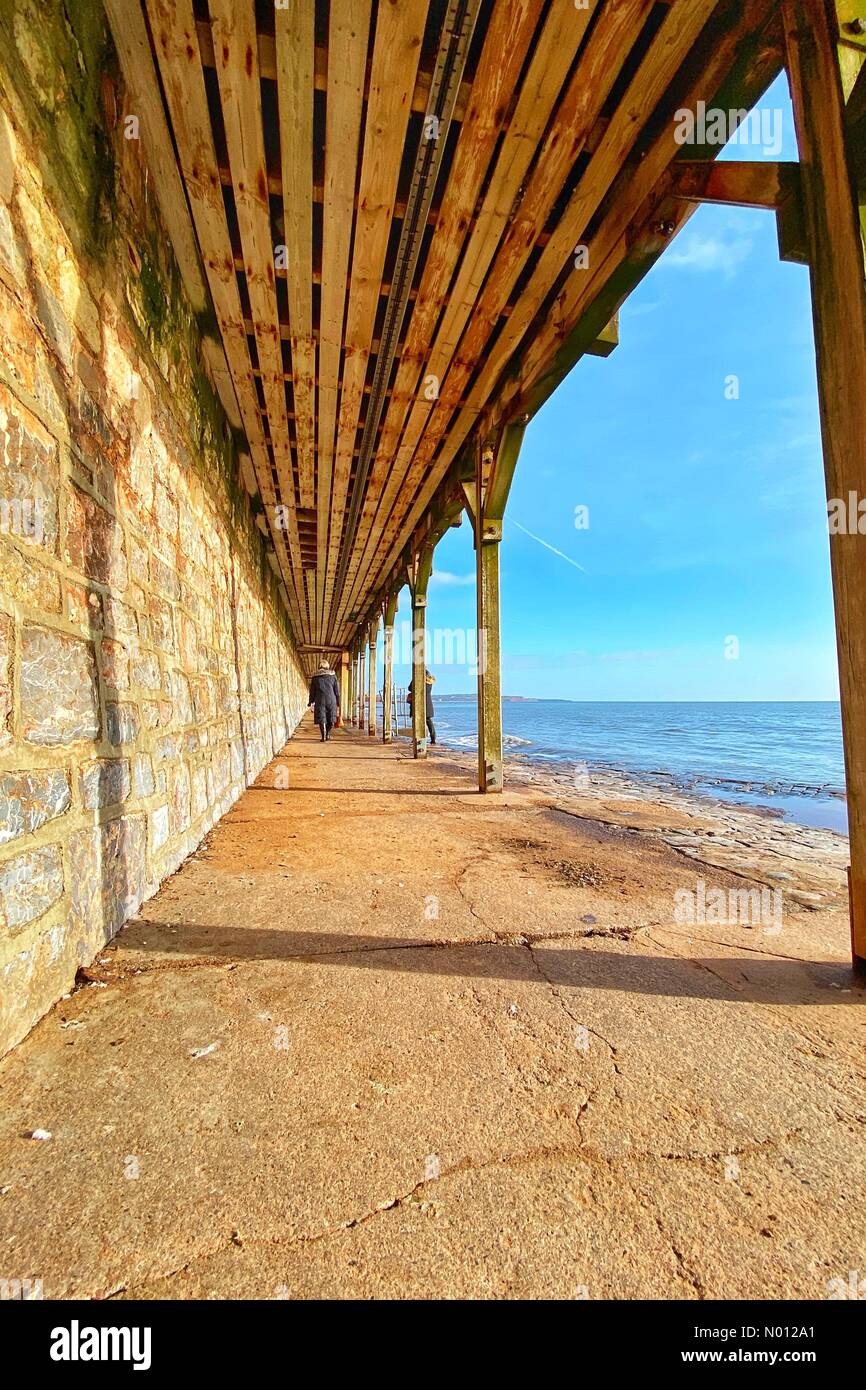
pixel 390 613
pixel 835 250
pixel 362 695
pixel 344 685
pixel 353 686
pixel 371 678
pixel 419 690
pixel 489 664
pixel 494 470
pixel 421 569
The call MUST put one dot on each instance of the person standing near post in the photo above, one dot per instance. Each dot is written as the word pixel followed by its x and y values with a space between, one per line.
pixel 325 699
pixel 428 697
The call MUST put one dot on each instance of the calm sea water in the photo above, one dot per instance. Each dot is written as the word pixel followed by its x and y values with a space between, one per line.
pixel 787 756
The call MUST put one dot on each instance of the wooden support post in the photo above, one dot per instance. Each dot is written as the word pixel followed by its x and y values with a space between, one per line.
pixel 353 687
pixel 489 664
pixel 420 569
pixel 371 678
pixel 839 312
pixel 362 694
pixel 344 685
pixel 419 671
pixel 493 475
pixel 390 613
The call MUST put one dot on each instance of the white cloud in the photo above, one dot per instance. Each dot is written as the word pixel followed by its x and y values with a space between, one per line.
pixel 709 252
pixel 452 581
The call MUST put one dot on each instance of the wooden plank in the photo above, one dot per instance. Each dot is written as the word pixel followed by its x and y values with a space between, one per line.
pixel 576 115
pixel 397 48
pixel 294 53
pixel 269 65
pixel 174 34
pixel 634 186
pixel 839 315
pixel 506 44
pixel 670 47
pixel 240 94
pixel 347 53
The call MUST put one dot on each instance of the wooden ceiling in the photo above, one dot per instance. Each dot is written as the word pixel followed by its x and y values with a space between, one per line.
pixel 387 196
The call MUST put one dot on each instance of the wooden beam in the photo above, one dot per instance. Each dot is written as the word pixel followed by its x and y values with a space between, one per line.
pixel 397 48
pixel 670 47
pixel 738 183
pixel 740 64
pixel 172 25
pixel 839 315
pixel 348 27
pixel 607 340
pixel 506 44
pixel 269 66
pixel 294 46
pixel 502 474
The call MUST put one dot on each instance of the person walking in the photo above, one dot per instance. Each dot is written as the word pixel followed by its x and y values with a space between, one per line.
pixel 325 699
pixel 428 700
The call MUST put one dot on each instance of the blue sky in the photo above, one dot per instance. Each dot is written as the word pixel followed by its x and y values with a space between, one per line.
pixel 707 515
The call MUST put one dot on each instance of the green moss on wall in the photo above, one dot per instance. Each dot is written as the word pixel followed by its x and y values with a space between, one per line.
pixel 52 60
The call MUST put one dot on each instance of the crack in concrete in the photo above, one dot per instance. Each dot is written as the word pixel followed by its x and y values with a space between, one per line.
pixel 123 971
pixel 467 1164
pixel 683 1272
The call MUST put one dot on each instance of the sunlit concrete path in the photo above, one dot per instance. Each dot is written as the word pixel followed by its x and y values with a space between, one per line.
pixel 382 1036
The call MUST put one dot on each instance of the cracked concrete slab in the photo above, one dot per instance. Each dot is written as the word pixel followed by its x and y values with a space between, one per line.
pixel 382 1037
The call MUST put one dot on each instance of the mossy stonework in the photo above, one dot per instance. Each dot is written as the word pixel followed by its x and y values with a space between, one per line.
pixel 147 669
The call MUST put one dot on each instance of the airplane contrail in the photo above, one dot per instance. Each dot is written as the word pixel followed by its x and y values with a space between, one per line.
pixel 547 545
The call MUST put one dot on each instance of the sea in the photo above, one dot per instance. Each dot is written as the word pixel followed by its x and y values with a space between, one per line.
pixel 784 756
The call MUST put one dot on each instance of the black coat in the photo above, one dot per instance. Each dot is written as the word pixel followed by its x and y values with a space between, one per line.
pixel 428 692
pixel 325 697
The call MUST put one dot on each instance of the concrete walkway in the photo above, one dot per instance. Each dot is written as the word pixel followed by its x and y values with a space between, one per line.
pixel 381 1036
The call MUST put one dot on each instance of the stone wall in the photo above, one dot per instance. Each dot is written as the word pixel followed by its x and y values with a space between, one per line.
pixel 147 671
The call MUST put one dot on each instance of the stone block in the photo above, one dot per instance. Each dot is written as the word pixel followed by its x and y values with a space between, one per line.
pixel 122 723
pixel 104 782
pixel 94 541
pixel 161 625
pixel 146 672
pixel 59 693
pixel 180 799
pixel 181 698
pixel 7 656
pixel 29 800
pixel 114 663
pixel 159 828
pixel 29 885
pixel 108 881
pixel 28 581
pixel 142 775
pixel 84 606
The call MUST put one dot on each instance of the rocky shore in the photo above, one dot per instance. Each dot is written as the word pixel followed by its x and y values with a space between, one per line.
pixel 807 864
